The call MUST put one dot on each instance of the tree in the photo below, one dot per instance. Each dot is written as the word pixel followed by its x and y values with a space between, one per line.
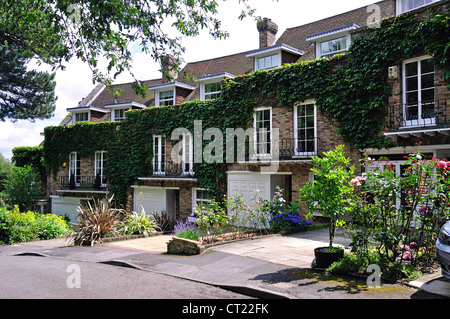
pixel 331 191
pixel 24 94
pixel 23 188
pixel 57 30
pixel 5 170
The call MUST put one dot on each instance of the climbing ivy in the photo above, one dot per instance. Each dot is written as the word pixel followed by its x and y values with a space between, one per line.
pixel 351 88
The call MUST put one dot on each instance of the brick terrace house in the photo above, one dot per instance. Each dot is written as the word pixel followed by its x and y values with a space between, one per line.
pixel 417 110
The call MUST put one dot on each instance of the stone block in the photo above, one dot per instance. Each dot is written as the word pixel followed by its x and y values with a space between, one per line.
pixel 182 246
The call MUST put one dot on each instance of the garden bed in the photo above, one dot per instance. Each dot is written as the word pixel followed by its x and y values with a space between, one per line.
pixel 128 237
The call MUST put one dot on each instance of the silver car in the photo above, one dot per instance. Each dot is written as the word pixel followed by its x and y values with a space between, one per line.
pixel 443 249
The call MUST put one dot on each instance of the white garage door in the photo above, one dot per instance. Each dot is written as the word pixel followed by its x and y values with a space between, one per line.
pixel 246 184
pixel 66 206
pixel 149 198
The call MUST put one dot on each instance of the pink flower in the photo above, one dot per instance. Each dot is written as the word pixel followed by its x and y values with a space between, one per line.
pixel 442 165
pixel 358 180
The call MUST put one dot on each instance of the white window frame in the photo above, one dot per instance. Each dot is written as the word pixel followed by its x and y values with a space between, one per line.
pixel 158 99
pixel 331 38
pixel 204 94
pixel 100 166
pixel 401 8
pixel 114 116
pixel 257 153
pixel 187 154
pixel 75 167
pixel 159 150
pixel 276 57
pixel 296 128
pixel 419 121
pixel 195 198
pixel 75 114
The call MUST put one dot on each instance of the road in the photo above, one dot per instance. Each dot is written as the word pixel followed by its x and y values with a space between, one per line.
pixel 32 277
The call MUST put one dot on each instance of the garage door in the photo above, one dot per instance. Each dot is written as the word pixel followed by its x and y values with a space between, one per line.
pixel 66 206
pixel 247 184
pixel 151 199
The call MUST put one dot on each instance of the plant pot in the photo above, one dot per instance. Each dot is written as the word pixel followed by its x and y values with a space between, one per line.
pixel 325 258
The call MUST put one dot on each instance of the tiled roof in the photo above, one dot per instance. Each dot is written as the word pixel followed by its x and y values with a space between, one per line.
pixel 239 63
pixel 106 97
pixel 235 64
pixel 296 37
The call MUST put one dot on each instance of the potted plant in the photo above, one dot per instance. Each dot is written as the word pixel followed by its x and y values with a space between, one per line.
pixel 330 195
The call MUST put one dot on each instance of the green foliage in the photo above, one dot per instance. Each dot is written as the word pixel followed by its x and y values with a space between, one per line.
pixel 350 263
pixel 138 224
pixel 5 171
pixel 57 30
pixel 187 230
pixel 405 233
pixel 25 94
pixel 83 138
pixel 331 192
pixel 17 227
pixel 212 219
pixel 96 220
pixel 33 156
pixel 351 89
pixel 23 188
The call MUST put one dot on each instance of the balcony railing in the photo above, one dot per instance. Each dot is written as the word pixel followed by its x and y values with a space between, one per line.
pixel 418 115
pixel 82 183
pixel 171 169
pixel 291 148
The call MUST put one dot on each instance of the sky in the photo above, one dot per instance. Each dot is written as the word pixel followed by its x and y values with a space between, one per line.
pixel 75 82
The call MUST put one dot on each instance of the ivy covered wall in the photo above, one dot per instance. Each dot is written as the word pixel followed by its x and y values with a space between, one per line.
pixel 352 89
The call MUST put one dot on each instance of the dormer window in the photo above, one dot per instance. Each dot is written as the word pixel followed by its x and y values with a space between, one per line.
pixel 268 62
pixel 408 5
pixel 274 56
pixel 87 114
pixel 168 94
pixel 211 85
pixel 119 115
pixel 166 98
pixel 212 90
pixel 333 46
pixel 334 41
pixel 81 117
pixel 118 109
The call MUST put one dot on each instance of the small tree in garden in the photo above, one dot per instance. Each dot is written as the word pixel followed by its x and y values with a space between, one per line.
pixel 331 191
pixel 23 188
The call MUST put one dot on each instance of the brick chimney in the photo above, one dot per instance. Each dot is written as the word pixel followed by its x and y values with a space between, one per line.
pixel 267 32
pixel 168 68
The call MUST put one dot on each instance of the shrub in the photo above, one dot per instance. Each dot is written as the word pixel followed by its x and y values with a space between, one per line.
pixel 96 221
pixel 350 263
pixel 212 219
pixel 187 230
pixel 164 220
pixel 138 224
pixel 288 219
pixel 23 188
pixel 16 227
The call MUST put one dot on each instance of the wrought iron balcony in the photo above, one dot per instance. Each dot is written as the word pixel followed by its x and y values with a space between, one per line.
pixel 292 148
pixel 88 183
pixel 418 115
pixel 171 169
